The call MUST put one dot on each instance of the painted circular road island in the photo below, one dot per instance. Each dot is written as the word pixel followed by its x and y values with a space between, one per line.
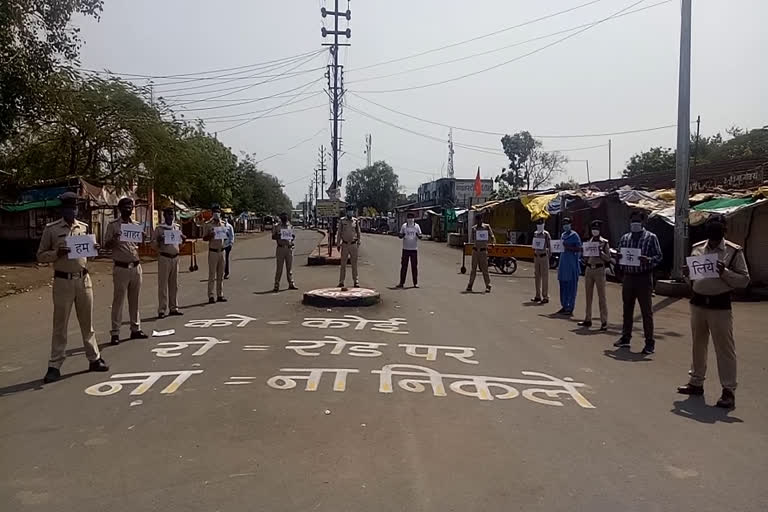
pixel 351 297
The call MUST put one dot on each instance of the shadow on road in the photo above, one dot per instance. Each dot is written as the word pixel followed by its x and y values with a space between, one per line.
pixel 695 408
pixel 36 384
pixel 259 258
pixel 622 354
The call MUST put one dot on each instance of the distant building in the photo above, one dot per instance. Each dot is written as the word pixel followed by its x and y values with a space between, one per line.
pixel 453 192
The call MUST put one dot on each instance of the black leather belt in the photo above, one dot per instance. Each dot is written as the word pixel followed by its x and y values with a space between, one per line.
pixel 70 275
pixel 541 255
pixel 722 301
pixel 169 255
pixel 596 265
pixel 348 243
pixel 482 249
pixel 215 250
pixel 132 264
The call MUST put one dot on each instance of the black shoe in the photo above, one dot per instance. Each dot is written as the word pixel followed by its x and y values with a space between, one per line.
pixel 226 276
pixel 561 311
pixel 468 290
pixel 357 284
pixel 536 299
pixel 276 288
pixel 211 300
pixel 176 313
pixel 221 299
pixel 114 340
pixel 341 285
pixel 98 366
pixel 52 375
pixel 400 285
pixel 292 287
pixel 727 400
pixel 138 335
pixel 545 301
pixel 487 289
pixel 604 326
pixel 648 350
pixel 585 323
pixel 415 285
pixel 568 313
pixel 161 315
pixel 690 389
pixel 622 343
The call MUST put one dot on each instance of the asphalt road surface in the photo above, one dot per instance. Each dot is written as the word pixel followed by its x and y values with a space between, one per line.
pixel 250 427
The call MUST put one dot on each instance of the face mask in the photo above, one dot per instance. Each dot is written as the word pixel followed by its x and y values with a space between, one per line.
pixel 410 222
pixel 595 232
pixel 539 228
pixel 566 227
pixel 69 214
pixel 216 216
pixel 349 214
pixel 636 227
pixel 168 221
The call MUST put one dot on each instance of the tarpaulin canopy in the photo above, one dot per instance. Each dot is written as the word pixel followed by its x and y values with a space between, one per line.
pixel 32 205
pixel 537 205
pixel 723 204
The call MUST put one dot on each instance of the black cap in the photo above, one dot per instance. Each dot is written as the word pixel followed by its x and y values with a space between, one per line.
pixel 124 200
pixel 596 223
pixel 215 207
pixel 718 217
pixel 68 199
pixel 168 209
pixel 566 220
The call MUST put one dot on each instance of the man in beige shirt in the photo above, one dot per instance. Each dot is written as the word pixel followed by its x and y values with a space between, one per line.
pixel 282 234
pixel 71 285
pixel 481 235
pixel 167 264
pixel 348 243
pixel 215 233
pixel 126 274
pixel 542 250
pixel 711 312
pixel 594 276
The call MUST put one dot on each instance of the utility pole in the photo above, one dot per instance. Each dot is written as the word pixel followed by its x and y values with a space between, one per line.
pixel 368 155
pixel 682 167
pixel 321 157
pixel 696 146
pixel 336 87
pixel 609 159
pixel 450 153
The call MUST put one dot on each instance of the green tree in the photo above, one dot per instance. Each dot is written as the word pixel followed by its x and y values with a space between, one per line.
pixel 654 160
pixel 530 167
pixel 35 39
pixel 375 186
pixel 571 184
pixel 257 191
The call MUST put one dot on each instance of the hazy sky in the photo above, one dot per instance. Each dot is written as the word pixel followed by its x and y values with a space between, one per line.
pixel 619 75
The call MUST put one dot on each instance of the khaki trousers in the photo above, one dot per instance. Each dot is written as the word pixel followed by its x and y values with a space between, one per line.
pixel 284 257
pixel 718 323
pixel 65 293
pixel 167 283
pixel 479 259
pixel 595 278
pixel 348 251
pixel 125 281
pixel 216 273
pixel 541 276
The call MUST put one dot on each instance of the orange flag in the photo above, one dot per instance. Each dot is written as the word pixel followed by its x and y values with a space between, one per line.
pixel 478 184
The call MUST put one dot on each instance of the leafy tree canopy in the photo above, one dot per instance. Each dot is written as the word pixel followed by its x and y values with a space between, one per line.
pixel 376 186
pixel 530 167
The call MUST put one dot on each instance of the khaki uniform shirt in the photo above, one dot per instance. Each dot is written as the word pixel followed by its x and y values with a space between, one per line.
pixel 736 274
pixel 482 244
pixel 276 233
pixel 547 243
pixel 54 236
pixel 123 252
pixel 158 240
pixel 208 228
pixel 349 230
pixel 605 252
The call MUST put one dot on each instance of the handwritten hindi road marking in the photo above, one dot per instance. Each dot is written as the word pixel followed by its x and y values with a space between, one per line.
pixel 278 322
pixel 255 348
pixel 239 381
pixel 238 320
pixel 167 349
pixel 430 352
pixel 354 348
pixel 390 326
pixel 313 378
pixel 145 380
pixel 702 267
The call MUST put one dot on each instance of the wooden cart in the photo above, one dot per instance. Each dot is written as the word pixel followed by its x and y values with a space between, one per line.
pixel 502 256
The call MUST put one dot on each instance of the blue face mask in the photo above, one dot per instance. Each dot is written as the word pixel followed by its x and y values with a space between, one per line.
pixel 566 228
pixel 636 227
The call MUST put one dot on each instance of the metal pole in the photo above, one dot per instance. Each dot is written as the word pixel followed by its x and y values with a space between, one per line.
pixel 682 171
pixel 588 180
pixel 609 158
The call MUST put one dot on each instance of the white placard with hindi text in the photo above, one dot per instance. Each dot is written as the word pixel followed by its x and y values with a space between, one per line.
pixel 81 246
pixel 220 233
pixel 410 233
pixel 539 244
pixel 556 245
pixel 481 235
pixel 591 249
pixel 630 256
pixel 286 234
pixel 702 267
pixel 172 237
pixel 131 233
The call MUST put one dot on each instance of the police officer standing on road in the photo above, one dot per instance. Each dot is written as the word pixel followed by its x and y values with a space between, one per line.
pixel 541 257
pixel 215 233
pixel 481 234
pixel 126 274
pixel 711 312
pixel 282 233
pixel 594 277
pixel 71 285
pixel 348 243
pixel 167 266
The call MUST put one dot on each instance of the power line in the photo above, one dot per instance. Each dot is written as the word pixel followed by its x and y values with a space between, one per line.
pixel 494 50
pixel 281 94
pixel 227 81
pixel 495 66
pixel 229 120
pixel 294 146
pixel 476 38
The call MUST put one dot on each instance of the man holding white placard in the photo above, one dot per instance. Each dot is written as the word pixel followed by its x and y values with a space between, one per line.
pixel 71 285
pixel 215 233
pixel 284 237
pixel 596 255
pixel 480 235
pixel 639 254
pixel 711 312
pixel 123 238
pixel 541 254
pixel 410 232
pixel 166 242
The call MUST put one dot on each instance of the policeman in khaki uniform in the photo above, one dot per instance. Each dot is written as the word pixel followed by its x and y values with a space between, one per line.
pixel 711 312
pixel 348 243
pixel 71 285
pixel 541 263
pixel 594 277
pixel 167 266
pixel 283 252
pixel 481 235
pixel 126 274
pixel 216 258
